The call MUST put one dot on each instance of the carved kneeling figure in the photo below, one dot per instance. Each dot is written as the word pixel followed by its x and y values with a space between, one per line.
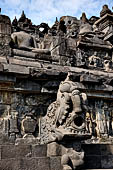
pixel 72 160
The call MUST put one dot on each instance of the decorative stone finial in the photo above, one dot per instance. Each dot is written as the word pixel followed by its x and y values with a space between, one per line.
pixel 105 10
pixel 23 15
pixel 56 19
pixel 15 22
pixel 83 18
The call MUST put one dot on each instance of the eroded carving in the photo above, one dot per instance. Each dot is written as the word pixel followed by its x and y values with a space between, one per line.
pixel 67 113
pixel 66 121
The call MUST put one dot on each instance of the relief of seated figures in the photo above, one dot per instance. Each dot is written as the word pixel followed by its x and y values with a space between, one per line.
pixel 97 62
pixel 94 60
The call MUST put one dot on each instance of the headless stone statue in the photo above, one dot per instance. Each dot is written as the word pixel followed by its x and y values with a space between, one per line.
pixel 23 40
pixel 25 45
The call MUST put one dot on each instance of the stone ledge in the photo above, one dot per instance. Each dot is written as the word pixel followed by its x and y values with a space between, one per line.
pixel 22 151
pixel 25 164
pixel 15 151
pixel 98 149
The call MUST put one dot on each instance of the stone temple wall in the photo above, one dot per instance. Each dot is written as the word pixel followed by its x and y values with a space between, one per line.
pixel 32 157
pixel 15 105
pixel 21 96
pixel 56 93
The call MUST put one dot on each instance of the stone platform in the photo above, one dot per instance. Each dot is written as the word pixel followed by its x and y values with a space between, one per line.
pixel 34 157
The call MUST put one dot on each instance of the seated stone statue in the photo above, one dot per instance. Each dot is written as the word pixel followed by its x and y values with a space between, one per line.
pixel 25 45
pixel 107 65
pixel 23 40
pixel 94 60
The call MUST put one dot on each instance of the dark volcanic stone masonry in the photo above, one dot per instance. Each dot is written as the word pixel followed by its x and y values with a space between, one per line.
pixel 56 93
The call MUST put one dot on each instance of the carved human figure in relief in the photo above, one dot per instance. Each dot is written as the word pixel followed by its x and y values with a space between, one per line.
pixel 107 65
pixel 94 60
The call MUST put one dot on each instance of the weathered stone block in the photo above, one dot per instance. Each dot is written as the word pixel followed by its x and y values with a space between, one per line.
pixel 4 140
pixel 39 150
pixel 28 85
pixel 25 164
pixel 66 167
pixel 10 164
pixel 7 78
pixel 54 149
pixel 1 67
pixel 91 162
pixel 4 110
pixel 27 141
pixel 89 79
pixel 107 162
pixel 106 149
pixel 35 164
pixel 16 69
pixel 91 149
pixel 55 163
pixel 15 151
pixel 0 152
pixel 5 97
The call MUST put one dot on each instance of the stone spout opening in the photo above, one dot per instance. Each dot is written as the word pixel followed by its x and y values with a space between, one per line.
pixel 78 121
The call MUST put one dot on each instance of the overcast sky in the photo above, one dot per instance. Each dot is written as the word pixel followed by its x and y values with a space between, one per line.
pixel 47 10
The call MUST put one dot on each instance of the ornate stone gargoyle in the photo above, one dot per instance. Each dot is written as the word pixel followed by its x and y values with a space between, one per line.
pixel 65 123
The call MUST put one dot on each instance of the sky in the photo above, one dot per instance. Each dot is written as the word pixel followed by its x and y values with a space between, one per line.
pixel 47 10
